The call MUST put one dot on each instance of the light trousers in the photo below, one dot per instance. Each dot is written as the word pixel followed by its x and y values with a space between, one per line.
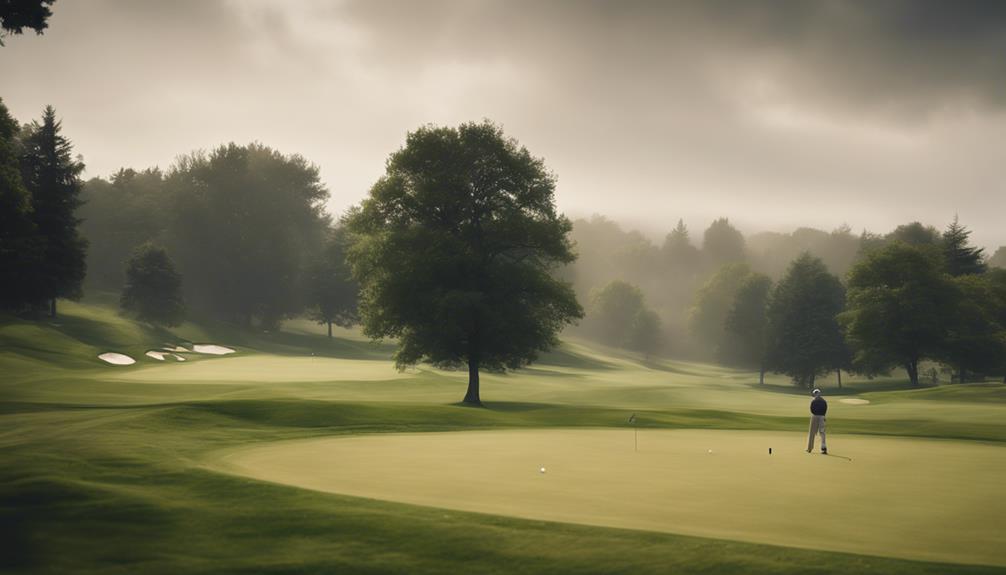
pixel 817 425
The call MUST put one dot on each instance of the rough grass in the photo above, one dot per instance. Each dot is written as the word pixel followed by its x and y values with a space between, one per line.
pixel 102 473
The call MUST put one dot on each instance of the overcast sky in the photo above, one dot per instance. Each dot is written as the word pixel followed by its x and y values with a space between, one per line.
pixel 774 114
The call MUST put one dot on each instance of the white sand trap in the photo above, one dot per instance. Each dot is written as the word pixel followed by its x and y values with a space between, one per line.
pixel 154 354
pixel 911 498
pixel 176 349
pixel 177 357
pixel 211 349
pixel 116 358
pixel 854 401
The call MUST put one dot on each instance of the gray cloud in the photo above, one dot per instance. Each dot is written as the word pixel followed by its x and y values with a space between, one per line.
pixel 775 113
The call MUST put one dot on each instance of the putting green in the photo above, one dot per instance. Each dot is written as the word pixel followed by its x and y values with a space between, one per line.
pixel 910 498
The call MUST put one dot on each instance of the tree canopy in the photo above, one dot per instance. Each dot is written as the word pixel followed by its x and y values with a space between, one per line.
pixel 707 321
pixel 900 304
pixel 17 15
pixel 245 222
pixel 153 290
pixel 747 324
pixel 804 337
pixel 454 251
pixel 722 243
pixel 619 317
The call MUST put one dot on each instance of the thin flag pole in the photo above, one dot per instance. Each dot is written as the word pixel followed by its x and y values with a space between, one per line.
pixel 635 433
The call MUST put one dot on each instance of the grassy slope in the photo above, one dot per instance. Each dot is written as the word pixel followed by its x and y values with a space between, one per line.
pixel 100 467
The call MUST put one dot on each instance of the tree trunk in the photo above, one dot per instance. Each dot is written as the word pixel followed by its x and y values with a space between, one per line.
pixel 960 374
pixel 912 367
pixel 329 329
pixel 810 381
pixel 52 307
pixel 761 376
pixel 839 372
pixel 472 397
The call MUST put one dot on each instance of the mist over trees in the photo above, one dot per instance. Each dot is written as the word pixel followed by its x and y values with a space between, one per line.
pixel 119 215
pixel 245 226
pixel 620 317
pixel 712 311
pixel 245 222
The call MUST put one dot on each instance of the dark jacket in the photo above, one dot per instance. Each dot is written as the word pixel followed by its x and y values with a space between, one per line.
pixel 819 406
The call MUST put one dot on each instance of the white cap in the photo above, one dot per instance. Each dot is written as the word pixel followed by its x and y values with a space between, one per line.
pixel 816 392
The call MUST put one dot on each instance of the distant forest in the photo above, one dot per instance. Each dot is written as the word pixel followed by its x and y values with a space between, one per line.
pixel 241 234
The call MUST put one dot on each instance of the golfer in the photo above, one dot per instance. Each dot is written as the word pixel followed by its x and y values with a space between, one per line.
pixel 818 408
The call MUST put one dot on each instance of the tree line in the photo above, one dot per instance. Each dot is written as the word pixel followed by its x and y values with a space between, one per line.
pixel 911 295
pixel 458 253
pixel 238 234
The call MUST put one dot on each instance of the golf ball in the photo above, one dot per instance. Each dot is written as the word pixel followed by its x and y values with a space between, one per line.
pixel 542 470
pixel 710 451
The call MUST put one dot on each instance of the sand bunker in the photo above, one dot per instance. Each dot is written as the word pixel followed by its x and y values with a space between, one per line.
pixel 154 354
pixel 116 358
pixel 211 349
pixel 891 500
pixel 854 401
pixel 177 357
pixel 176 349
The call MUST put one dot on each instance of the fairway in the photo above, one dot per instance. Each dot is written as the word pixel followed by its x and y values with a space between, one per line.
pixel 920 499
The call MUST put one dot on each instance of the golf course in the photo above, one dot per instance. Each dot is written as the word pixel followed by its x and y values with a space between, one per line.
pixel 300 453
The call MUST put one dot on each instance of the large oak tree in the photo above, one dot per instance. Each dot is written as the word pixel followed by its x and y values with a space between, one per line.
pixel 454 251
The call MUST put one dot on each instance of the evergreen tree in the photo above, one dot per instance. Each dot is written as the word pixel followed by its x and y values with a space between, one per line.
pixel 803 332
pixel 679 253
pixel 153 290
pixel 962 258
pixel 334 292
pixel 19 244
pixel 52 177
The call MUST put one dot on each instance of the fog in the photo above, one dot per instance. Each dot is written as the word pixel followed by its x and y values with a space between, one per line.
pixel 774 114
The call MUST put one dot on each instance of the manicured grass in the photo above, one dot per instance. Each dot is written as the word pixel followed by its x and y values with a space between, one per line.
pixel 103 469
pixel 891 500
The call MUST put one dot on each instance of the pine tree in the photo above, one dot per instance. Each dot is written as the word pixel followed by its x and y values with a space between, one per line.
pixel 52 177
pixel 679 253
pixel 962 258
pixel 18 241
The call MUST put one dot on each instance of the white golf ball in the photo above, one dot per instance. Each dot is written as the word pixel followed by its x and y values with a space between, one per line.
pixel 710 451
pixel 542 470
